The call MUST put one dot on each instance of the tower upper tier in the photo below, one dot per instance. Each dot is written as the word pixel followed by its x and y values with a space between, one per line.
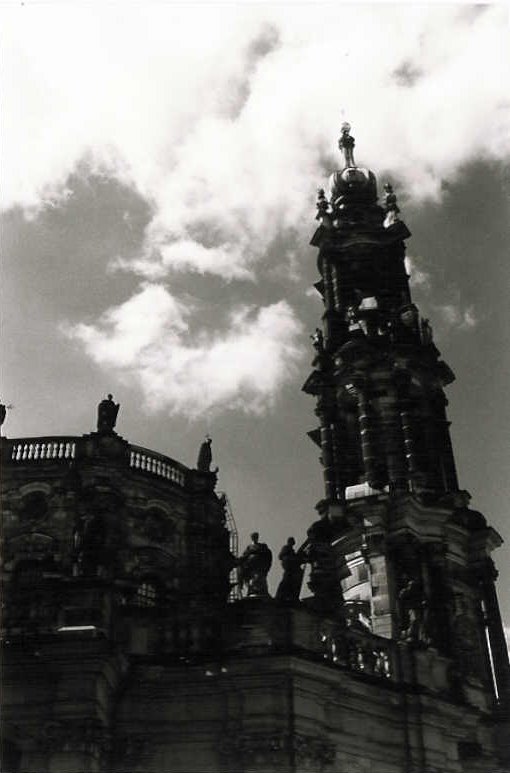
pixel 378 376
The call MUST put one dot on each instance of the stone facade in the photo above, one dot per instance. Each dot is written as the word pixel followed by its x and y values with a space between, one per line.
pixel 127 648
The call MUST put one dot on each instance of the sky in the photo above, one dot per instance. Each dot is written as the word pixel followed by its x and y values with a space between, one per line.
pixel 160 166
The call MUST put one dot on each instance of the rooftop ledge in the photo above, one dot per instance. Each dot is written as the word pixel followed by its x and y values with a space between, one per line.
pixel 66 449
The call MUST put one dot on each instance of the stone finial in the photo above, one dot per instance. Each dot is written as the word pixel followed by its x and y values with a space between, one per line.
pixel 346 145
pixel 107 412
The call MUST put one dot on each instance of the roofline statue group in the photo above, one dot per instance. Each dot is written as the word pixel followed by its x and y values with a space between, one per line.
pixel 254 564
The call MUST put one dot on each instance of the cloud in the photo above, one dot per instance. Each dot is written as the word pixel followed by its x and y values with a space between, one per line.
pixel 241 368
pixel 223 121
pixel 124 334
pixel 450 315
pixel 458 317
pixel 418 277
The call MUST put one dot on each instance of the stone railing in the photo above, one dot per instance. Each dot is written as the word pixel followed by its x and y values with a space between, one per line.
pixel 156 464
pixel 364 653
pixel 51 450
pixel 260 630
pixel 42 449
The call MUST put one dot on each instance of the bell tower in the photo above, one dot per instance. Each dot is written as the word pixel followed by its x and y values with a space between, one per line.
pixel 418 558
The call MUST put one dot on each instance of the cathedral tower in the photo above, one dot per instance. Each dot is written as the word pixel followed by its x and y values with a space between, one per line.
pixel 418 559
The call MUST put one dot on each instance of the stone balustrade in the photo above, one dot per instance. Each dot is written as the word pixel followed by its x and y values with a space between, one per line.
pixel 270 628
pixel 51 450
pixel 42 449
pixel 364 653
pixel 156 464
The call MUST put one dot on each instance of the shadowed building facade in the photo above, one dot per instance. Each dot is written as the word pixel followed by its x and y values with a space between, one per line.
pixel 127 648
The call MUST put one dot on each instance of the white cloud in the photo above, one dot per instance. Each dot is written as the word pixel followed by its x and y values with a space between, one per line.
pixel 418 277
pixel 455 316
pixel 450 315
pixel 243 368
pixel 222 120
pixel 124 334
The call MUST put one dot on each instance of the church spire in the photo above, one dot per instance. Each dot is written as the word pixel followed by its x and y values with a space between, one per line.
pixel 379 385
pixel 415 554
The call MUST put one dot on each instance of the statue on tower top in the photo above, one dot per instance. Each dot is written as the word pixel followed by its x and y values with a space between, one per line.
pixel 346 145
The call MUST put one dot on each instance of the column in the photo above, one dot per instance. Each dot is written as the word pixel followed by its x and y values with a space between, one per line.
pixel 367 431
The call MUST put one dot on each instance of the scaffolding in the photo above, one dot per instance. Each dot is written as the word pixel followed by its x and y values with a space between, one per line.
pixel 235 588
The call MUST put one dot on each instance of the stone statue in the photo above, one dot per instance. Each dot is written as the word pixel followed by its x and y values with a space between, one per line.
pixel 3 412
pixel 254 566
pixel 413 609
pixel 324 577
pixel 107 412
pixel 318 340
pixel 323 209
pixel 390 206
pixel 205 456
pixel 346 144
pixel 290 585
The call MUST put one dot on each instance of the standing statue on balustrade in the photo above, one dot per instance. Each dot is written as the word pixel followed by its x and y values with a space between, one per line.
pixel 292 564
pixel 254 566
pixel 107 412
